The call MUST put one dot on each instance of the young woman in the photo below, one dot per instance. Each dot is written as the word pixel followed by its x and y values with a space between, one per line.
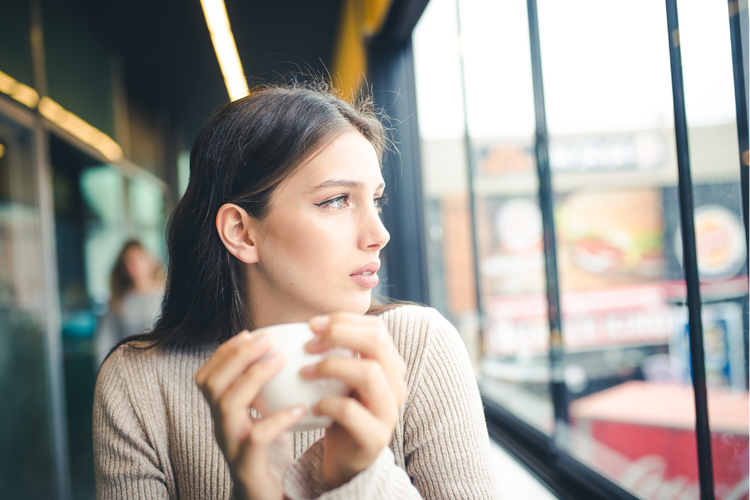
pixel 280 223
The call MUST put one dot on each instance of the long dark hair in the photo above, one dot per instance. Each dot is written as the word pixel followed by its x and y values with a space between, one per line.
pixel 242 154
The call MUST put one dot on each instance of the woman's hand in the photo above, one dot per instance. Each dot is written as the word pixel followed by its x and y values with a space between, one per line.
pixel 363 423
pixel 257 451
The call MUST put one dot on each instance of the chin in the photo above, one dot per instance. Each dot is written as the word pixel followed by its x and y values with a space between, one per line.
pixel 364 303
pixel 357 304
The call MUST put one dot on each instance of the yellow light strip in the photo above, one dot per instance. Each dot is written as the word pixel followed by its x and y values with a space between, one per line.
pixel 226 50
pixel 60 117
pixel 81 129
pixel 18 91
pixel 2 150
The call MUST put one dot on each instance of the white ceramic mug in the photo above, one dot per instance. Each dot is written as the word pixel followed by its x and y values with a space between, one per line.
pixel 287 388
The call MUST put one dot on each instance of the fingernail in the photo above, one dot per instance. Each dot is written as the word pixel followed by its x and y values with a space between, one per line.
pixel 261 339
pixel 240 337
pixel 313 344
pixel 307 371
pixel 298 411
pixel 274 359
pixel 320 323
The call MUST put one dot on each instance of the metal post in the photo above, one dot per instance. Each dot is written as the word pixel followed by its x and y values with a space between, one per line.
pixel 740 99
pixel 53 346
pixel 558 391
pixel 690 259
pixel 392 67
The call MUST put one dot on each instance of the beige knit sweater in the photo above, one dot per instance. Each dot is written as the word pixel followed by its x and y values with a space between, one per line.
pixel 154 438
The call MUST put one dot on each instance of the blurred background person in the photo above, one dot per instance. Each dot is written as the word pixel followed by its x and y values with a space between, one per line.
pixel 136 289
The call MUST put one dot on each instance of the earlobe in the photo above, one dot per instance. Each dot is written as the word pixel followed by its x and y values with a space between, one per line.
pixel 236 229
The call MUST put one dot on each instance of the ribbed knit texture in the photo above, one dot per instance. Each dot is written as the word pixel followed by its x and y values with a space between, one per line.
pixel 154 438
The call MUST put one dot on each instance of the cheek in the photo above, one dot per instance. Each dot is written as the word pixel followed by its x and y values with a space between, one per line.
pixel 308 249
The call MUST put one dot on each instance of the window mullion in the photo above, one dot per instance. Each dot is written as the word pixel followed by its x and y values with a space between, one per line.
pixel 556 350
pixel 740 99
pixel 690 258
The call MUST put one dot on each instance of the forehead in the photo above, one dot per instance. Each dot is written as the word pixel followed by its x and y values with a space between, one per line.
pixel 349 157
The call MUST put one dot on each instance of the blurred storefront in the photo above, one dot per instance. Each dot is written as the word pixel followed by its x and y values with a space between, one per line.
pixel 612 388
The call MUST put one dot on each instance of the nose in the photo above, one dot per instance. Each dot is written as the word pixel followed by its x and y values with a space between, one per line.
pixel 374 235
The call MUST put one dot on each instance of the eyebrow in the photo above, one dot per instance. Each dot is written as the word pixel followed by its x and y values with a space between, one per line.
pixel 342 183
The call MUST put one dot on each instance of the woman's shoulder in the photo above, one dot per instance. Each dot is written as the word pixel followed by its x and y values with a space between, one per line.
pixel 137 364
pixel 130 354
pixel 418 331
pixel 418 321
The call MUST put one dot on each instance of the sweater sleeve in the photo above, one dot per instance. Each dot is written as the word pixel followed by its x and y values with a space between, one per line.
pixel 383 479
pixel 125 464
pixel 446 444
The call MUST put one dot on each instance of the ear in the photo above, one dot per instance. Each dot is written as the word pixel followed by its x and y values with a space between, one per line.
pixel 237 231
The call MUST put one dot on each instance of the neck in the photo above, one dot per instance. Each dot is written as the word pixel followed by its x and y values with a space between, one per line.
pixel 143 284
pixel 272 312
pixel 267 305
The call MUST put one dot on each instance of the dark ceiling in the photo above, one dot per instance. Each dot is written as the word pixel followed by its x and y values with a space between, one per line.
pixel 169 61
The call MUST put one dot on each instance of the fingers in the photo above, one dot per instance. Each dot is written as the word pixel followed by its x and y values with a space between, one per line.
pixel 266 430
pixel 359 333
pixel 254 444
pixel 366 335
pixel 363 426
pixel 363 375
pixel 230 380
pixel 229 361
pixel 232 406
pixel 226 349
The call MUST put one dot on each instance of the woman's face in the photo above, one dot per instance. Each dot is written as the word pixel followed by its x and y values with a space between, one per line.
pixel 319 246
pixel 140 265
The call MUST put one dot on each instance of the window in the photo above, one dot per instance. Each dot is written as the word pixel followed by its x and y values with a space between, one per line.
pixel 614 389
pixel 27 443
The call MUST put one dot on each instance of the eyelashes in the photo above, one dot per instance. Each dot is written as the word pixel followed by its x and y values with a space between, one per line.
pixel 380 202
pixel 342 200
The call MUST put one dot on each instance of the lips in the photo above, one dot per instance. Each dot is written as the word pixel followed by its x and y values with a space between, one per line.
pixel 366 275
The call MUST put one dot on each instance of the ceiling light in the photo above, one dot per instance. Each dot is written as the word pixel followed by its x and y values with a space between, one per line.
pixel 18 91
pixel 226 50
pixel 81 129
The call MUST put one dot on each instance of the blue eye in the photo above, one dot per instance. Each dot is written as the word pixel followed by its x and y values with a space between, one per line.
pixel 338 202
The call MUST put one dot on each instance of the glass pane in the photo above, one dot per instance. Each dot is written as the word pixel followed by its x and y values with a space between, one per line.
pixel 26 466
pixel 91 224
pixel 146 204
pixel 609 112
pixel 84 203
pixel 102 188
pixel 441 127
pixel 494 45
pixel 720 238
pixel 500 117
